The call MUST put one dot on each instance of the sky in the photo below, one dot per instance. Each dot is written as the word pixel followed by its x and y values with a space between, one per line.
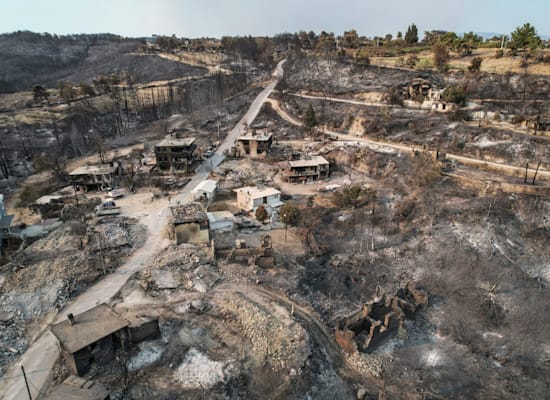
pixel 216 18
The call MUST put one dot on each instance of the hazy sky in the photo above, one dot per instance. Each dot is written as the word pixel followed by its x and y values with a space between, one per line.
pixel 195 18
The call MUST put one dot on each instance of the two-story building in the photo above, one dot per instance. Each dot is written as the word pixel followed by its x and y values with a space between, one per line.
pixel 254 143
pixel 94 177
pixel 307 170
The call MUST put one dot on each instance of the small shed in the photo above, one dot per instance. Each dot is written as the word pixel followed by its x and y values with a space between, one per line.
pixel 205 190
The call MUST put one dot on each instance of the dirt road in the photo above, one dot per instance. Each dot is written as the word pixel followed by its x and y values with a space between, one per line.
pixel 506 169
pixel 41 356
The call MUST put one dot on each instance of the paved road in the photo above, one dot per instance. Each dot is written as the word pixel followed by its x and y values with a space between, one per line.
pixel 41 356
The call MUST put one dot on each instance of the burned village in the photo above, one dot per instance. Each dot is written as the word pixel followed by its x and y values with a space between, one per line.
pixel 295 216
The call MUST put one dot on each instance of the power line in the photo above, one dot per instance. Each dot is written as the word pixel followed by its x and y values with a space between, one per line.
pixel 5 378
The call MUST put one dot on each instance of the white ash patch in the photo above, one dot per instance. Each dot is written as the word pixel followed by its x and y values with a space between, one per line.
pixel 197 371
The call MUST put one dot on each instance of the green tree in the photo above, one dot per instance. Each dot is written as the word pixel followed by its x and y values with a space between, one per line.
pixel 411 36
pixel 290 214
pixel 455 94
pixel 475 64
pixel 399 35
pixel 441 55
pixel 525 37
pixel 310 121
pixel 261 213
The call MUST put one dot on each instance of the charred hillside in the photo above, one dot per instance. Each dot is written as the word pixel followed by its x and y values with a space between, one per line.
pixel 30 58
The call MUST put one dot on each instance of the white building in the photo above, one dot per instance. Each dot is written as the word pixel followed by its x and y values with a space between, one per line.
pixel 249 198
pixel 205 190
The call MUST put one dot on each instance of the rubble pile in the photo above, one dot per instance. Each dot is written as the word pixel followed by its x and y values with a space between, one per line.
pixel 275 336
pixel 239 173
pixel 184 265
pixel 115 233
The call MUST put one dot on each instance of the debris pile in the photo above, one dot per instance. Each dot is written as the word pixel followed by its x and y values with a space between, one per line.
pixel 243 173
pixel 114 233
pixel 182 266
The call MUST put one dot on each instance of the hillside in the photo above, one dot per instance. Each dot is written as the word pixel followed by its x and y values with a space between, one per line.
pixel 28 58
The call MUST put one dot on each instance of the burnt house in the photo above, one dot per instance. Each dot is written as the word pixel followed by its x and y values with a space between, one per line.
pixel 254 144
pixel 308 169
pixel 364 329
pixel 176 155
pixel 94 177
pixel 76 388
pixel 262 256
pixel 190 224
pixel 418 87
pixel 91 337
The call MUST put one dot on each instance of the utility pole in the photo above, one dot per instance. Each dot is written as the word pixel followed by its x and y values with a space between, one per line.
pixel 26 382
pixel 372 223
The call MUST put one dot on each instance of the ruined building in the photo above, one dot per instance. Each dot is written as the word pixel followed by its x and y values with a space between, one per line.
pixel 190 224
pixel 94 177
pixel 363 329
pixel 254 144
pixel 307 170
pixel 262 256
pixel 176 155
